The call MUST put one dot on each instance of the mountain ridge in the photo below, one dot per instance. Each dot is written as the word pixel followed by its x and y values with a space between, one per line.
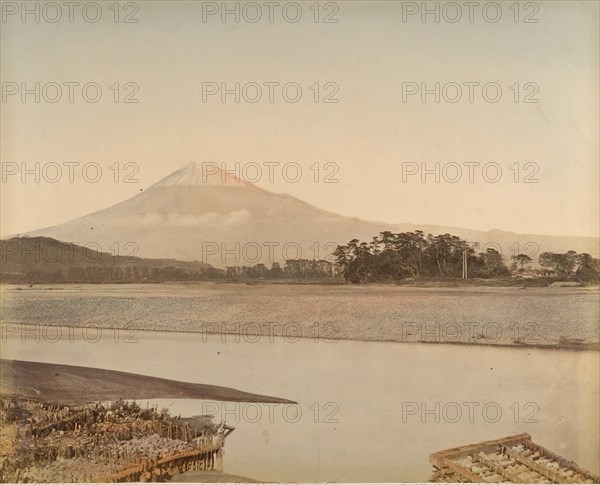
pixel 190 210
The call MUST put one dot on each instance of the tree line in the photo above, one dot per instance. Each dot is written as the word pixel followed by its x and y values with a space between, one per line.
pixel 134 273
pixel 388 257
pixel 295 269
pixel 394 256
pixel 572 265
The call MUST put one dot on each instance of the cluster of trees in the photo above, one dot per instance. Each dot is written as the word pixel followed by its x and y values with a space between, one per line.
pixel 293 269
pixel 140 273
pixel 392 256
pixel 136 273
pixel 570 264
pixel 389 256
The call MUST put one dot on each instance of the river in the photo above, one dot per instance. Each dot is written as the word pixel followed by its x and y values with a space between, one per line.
pixel 367 411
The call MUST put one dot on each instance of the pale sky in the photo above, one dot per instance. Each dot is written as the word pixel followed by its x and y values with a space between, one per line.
pixel 369 53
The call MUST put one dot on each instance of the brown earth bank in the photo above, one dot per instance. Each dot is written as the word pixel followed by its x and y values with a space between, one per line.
pixel 210 477
pixel 68 384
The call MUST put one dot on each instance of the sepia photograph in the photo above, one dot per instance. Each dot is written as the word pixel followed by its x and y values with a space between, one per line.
pixel 300 242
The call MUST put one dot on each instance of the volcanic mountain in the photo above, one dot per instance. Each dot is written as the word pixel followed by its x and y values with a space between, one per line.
pixel 222 220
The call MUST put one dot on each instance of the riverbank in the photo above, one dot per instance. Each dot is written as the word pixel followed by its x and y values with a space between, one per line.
pixel 65 423
pixel 102 442
pixel 72 385
pixel 210 477
pixel 432 282
pixel 549 318
pixel 349 391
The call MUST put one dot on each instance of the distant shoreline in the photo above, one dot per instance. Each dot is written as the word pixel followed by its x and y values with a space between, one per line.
pixel 509 317
pixel 413 283
pixel 572 346
pixel 423 282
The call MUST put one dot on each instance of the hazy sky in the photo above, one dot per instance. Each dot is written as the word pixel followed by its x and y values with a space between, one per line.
pixel 370 133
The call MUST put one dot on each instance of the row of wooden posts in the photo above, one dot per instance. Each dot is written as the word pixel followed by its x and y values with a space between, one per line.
pixel 103 443
pixel 88 434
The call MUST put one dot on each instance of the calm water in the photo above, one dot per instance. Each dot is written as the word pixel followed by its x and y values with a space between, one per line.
pixel 367 410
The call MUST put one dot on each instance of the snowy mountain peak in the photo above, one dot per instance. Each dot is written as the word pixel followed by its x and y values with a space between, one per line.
pixel 202 175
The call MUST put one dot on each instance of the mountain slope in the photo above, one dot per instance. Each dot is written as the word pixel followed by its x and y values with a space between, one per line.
pixel 225 221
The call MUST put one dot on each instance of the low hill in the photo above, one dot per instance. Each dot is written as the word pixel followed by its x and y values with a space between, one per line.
pixel 43 259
